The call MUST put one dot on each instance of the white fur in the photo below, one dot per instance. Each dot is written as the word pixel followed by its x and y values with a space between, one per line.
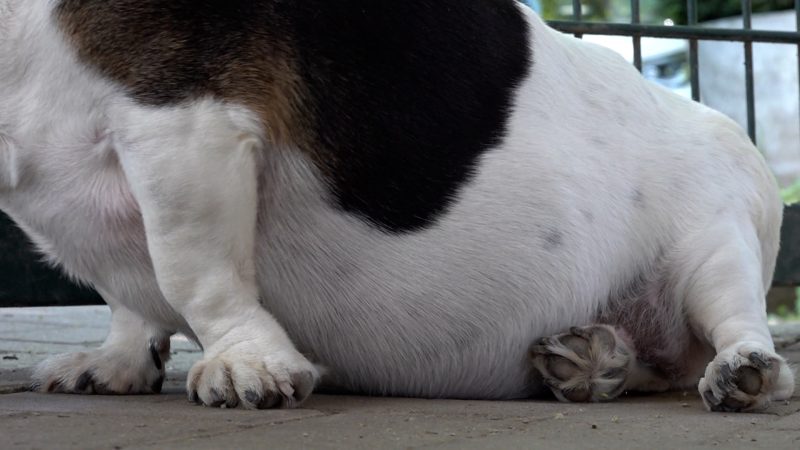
pixel 603 177
pixel 9 172
pixel 123 364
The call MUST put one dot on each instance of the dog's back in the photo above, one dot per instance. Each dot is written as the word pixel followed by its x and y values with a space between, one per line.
pixel 437 185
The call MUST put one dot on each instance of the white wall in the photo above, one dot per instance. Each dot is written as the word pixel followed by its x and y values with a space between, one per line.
pixel 722 84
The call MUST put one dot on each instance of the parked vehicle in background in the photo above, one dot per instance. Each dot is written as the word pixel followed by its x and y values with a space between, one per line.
pixel 722 83
pixel 664 61
pixel 535 4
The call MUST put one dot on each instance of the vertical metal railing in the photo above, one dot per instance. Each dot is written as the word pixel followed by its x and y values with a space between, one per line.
pixel 577 14
pixel 693 33
pixel 747 17
pixel 694 60
pixel 797 26
pixel 636 19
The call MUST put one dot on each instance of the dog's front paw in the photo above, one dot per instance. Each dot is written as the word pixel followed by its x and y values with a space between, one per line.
pixel 110 369
pixel 745 379
pixel 240 376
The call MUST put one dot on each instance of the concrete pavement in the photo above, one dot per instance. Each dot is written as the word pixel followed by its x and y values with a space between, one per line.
pixel 28 420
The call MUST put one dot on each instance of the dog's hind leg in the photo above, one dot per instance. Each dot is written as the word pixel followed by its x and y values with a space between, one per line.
pixel 723 287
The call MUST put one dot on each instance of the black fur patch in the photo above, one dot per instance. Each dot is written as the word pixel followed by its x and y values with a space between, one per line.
pixel 395 100
pixel 407 95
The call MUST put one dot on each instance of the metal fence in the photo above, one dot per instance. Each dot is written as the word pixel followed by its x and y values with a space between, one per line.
pixel 693 33
pixel 788 268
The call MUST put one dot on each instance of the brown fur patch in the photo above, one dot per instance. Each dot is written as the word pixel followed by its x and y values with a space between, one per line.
pixel 395 101
pixel 167 52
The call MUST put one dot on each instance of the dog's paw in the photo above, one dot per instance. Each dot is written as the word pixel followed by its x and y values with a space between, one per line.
pixel 107 370
pixel 588 364
pixel 240 376
pixel 745 379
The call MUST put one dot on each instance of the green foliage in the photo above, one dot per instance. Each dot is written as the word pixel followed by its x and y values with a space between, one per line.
pixel 715 9
pixel 592 9
pixel 785 313
pixel 655 11
pixel 791 194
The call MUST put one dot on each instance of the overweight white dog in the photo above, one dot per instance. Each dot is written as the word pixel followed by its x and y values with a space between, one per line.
pixel 433 198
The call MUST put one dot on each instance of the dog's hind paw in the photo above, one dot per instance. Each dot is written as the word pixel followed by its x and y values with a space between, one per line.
pixel 588 364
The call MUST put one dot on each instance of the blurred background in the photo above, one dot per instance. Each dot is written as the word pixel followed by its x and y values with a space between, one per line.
pixel 722 82
pixel 722 79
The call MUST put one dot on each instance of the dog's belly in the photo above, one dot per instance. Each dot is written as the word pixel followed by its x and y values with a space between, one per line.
pixel 536 242
pixel 447 311
pixel 559 219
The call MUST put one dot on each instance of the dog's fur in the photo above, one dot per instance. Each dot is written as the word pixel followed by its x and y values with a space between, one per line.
pixel 410 194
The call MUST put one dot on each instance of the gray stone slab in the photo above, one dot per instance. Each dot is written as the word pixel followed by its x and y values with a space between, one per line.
pixel 675 420
pixel 29 420
pixel 29 335
pixel 168 421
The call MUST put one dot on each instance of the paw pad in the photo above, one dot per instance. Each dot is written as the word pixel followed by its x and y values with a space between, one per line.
pixel 586 364
pixel 739 381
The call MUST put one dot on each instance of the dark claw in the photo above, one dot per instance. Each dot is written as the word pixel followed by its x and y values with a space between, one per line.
pixel 537 349
pixel 252 397
pixel 711 400
pixel 157 385
pixel 758 361
pixel 542 345
pixel 718 408
pixel 216 398
pixel 733 405
pixel 84 381
pixel 156 357
pixel 55 386
pixel 303 383
pixel 577 395
pixel 265 401
pixel 577 331
pixel 102 389
pixel 270 400
pixel 725 382
pixel 726 372
pixel 194 398
pixel 552 382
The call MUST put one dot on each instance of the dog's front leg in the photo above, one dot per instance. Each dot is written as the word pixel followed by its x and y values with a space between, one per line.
pixel 193 171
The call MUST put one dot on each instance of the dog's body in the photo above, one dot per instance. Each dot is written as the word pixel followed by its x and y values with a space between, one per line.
pixel 415 199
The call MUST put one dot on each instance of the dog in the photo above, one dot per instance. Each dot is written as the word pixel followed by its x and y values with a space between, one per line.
pixel 428 198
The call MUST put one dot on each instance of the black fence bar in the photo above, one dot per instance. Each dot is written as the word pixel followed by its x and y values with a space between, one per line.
pixel 577 14
pixel 636 18
pixel 797 14
pixel 694 59
pixel 787 271
pixel 747 17
pixel 676 32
